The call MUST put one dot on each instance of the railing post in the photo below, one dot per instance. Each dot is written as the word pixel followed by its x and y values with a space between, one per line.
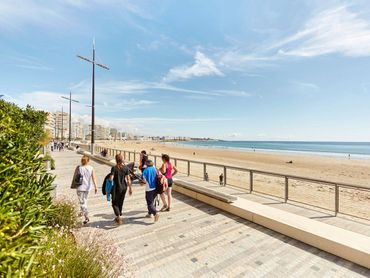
pixel 286 195
pixel 224 175
pixel 124 155
pixel 134 156
pixel 336 199
pixel 155 161
pixel 188 168
pixel 204 171
pixel 250 181
pixel 129 156
pixel 175 162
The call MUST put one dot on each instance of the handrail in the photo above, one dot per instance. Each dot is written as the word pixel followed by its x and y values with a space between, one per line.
pixel 347 185
pixel 286 177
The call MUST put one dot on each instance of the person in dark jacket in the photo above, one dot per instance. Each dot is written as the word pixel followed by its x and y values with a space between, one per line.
pixel 121 180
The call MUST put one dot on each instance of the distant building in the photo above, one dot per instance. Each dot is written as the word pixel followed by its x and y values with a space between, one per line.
pixel 61 125
pixel 114 134
pixel 50 125
pixel 101 132
pixel 78 131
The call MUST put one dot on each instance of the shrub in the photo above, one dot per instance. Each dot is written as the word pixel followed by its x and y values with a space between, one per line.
pixel 24 188
pixel 63 256
pixel 63 214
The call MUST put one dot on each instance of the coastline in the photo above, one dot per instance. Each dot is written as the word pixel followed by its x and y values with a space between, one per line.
pixel 272 151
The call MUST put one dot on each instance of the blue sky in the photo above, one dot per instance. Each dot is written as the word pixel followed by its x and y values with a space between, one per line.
pixel 237 70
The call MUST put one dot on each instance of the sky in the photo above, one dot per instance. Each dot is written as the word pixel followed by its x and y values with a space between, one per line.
pixel 225 69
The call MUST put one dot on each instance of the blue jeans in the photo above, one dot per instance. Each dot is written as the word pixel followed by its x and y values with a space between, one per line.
pixel 150 201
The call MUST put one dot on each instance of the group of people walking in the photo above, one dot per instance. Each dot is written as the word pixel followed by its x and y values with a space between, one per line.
pixel 158 182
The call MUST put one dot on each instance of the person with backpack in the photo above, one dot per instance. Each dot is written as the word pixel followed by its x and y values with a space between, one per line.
pixel 83 181
pixel 168 170
pixel 150 179
pixel 121 180
pixel 107 186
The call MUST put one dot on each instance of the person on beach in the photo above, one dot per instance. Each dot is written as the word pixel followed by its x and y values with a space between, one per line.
pixel 121 180
pixel 149 177
pixel 168 170
pixel 88 179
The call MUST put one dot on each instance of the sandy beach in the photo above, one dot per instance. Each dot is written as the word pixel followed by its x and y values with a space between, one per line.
pixel 334 169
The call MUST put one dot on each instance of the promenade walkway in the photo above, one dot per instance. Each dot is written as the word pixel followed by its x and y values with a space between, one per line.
pixel 353 224
pixel 197 240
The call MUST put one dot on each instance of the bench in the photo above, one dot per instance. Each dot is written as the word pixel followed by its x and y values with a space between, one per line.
pixel 206 191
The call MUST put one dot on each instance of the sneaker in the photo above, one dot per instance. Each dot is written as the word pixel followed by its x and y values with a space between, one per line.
pixel 167 209
pixel 164 208
pixel 87 220
pixel 120 221
pixel 148 215
pixel 156 217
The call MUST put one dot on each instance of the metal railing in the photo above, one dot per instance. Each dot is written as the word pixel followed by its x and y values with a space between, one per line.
pixel 245 176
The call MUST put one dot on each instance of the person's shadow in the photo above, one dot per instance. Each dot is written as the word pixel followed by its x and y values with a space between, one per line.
pixel 133 217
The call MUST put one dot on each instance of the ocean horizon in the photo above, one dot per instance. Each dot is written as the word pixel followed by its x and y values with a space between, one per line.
pixel 357 149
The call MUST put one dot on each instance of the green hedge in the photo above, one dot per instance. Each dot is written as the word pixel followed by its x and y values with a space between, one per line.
pixel 24 188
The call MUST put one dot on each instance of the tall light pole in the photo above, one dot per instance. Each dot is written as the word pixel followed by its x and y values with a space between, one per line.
pixel 70 115
pixel 93 62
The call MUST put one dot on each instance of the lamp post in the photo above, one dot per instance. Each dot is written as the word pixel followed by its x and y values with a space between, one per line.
pixel 93 62
pixel 70 114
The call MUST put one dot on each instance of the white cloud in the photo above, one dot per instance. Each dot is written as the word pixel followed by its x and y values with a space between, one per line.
pixel 203 66
pixel 335 30
pixel 52 101
pixel 114 88
pixel 235 93
pixel 306 85
pixel 16 14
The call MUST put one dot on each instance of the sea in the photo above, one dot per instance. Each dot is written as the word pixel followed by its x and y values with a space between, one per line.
pixel 343 149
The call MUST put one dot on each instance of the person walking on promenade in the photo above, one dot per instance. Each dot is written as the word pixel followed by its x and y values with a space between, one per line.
pixel 143 159
pixel 168 170
pixel 150 180
pixel 121 180
pixel 84 179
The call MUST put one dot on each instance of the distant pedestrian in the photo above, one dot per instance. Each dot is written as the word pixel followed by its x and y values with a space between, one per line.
pixel 206 178
pixel 221 178
pixel 150 180
pixel 83 180
pixel 168 170
pixel 121 180
pixel 349 156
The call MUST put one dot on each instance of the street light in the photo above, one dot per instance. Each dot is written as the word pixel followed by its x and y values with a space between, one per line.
pixel 70 114
pixel 93 62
